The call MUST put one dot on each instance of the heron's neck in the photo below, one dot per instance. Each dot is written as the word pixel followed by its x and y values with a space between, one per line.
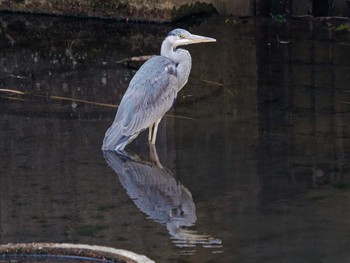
pixel 181 58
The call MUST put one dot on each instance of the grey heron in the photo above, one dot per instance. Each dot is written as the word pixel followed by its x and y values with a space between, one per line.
pixel 152 91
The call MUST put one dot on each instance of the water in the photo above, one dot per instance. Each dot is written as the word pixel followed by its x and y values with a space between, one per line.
pixel 255 150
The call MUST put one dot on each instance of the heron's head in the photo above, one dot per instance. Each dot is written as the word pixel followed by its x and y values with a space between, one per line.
pixel 181 37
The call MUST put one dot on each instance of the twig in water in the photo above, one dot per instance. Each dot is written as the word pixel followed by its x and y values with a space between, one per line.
pixel 77 100
pixel 180 117
pixel 12 91
pixel 59 98
pixel 213 82
pixel 135 59
pixel 14 98
pixel 221 85
pixel 84 101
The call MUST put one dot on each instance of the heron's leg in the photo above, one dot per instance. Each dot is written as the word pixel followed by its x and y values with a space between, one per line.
pixel 154 156
pixel 150 132
pixel 155 129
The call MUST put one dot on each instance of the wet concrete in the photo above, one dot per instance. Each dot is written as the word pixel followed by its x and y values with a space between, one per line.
pixel 48 259
pixel 65 252
pixel 259 139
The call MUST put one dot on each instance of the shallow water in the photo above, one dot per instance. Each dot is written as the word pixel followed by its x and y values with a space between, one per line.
pixel 255 151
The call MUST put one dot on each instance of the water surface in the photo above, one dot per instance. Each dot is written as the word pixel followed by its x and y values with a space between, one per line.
pixel 254 155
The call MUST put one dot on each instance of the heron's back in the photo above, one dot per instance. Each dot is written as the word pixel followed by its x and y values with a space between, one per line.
pixel 150 95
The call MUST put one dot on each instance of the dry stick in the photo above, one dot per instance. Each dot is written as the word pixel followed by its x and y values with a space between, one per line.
pixel 58 98
pixel 13 98
pixel 82 101
pixel 12 91
pixel 133 59
pixel 180 117
pixel 112 106
pixel 213 82
pixel 12 41
pixel 8 36
pixel 221 85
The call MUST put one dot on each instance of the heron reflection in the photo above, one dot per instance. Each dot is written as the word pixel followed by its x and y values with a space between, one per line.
pixel 157 193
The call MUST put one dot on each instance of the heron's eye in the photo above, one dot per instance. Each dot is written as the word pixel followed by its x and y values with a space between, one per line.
pixel 181 36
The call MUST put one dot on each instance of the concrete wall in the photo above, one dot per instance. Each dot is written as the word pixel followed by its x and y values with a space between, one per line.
pixel 142 10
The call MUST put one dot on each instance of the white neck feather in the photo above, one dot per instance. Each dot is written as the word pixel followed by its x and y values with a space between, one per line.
pixel 181 58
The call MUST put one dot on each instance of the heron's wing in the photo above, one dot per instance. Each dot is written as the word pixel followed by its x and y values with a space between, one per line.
pixel 150 95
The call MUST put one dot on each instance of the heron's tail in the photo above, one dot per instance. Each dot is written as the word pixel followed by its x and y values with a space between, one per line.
pixel 114 140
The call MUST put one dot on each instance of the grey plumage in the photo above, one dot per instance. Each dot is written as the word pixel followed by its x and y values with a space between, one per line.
pixel 152 91
pixel 154 190
pixel 140 107
pixel 158 194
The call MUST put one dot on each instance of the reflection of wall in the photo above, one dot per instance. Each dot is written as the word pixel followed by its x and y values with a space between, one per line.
pixel 302 92
pixel 322 8
pixel 220 141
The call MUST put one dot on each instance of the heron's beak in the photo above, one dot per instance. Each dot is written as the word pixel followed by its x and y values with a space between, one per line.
pixel 193 39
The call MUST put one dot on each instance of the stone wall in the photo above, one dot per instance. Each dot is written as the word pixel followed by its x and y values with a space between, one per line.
pixel 139 10
pixel 297 8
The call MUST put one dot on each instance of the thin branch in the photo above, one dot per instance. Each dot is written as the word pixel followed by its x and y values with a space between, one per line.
pixel 84 101
pixel 222 85
pixel 59 98
pixel 14 98
pixel 76 100
pixel 135 59
pixel 213 82
pixel 12 91
pixel 180 117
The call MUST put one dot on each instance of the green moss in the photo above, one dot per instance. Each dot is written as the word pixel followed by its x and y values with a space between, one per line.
pixel 196 8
